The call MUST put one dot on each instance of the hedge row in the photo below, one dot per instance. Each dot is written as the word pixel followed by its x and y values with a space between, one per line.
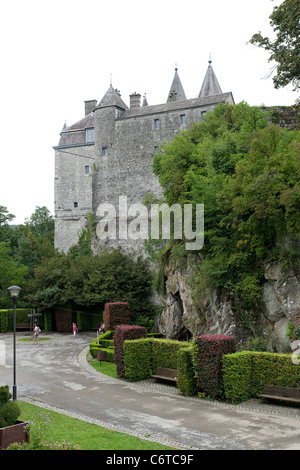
pixel 208 353
pixel 122 333
pixel 246 373
pixel 116 313
pixel 7 318
pixel 106 343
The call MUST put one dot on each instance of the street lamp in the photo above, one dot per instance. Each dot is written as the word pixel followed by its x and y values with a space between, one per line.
pixel 14 292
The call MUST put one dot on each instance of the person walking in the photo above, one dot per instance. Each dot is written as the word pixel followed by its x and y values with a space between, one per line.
pixel 36 332
pixel 74 330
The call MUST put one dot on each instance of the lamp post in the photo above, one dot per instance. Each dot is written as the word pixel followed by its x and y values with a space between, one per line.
pixel 14 292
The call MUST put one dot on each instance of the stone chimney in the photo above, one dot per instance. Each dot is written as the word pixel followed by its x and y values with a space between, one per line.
pixel 90 106
pixel 135 100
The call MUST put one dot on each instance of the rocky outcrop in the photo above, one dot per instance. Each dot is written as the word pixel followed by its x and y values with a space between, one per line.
pixel 183 316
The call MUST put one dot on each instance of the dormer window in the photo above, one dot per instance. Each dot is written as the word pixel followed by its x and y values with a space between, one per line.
pixel 90 134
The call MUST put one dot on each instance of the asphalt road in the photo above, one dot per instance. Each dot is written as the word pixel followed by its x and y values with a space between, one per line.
pixel 56 373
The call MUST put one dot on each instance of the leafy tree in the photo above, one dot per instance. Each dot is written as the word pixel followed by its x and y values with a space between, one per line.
pixel 285 49
pixel 11 274
pixel 41 224
pixel 246 173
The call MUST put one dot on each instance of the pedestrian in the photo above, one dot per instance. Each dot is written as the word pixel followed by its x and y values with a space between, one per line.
pixel 101 329
pixel 36 332
pixel 74 330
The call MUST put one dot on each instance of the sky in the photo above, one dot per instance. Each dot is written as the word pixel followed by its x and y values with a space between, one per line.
pixel 57 54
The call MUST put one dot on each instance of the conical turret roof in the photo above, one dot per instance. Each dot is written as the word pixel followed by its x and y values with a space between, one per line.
pixel 210 84
pixel 176 92
pixel 112 98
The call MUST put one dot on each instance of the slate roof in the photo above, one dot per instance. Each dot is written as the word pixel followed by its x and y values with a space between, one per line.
pixel 176 92
pixel 210 84
pixel 112 98
pixel 75 134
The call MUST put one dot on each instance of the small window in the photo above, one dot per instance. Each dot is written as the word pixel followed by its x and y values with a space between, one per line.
pixel 203 113
pixel 87 170
pixel 90 134
pixel 182 120
pixel 156 124
pixel 75 204
pixel 156 148
pixel 104 151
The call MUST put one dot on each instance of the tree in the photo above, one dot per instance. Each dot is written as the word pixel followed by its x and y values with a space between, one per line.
pixel 41 224
pixel 11 274
pixel 285 48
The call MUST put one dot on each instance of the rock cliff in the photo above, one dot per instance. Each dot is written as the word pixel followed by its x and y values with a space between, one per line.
pixel 183 317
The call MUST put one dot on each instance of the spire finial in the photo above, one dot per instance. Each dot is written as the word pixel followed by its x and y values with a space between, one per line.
pixel 111 79
pixel 176 66
pixel 209 60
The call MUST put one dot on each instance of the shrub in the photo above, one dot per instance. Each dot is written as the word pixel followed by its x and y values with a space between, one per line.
pixel 208 353
pixel 186 381
pixel 116 313
pixel 237 373
pixel 289 330
pixel 245 373
pixel 9 410
pixel 122 333
pixel 105 344
pixel 164 353
pixel 297 332
pixel 137 359
pixel 257 344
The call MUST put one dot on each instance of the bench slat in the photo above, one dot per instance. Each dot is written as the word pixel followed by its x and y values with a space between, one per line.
pixel 164 373
pixel 281 393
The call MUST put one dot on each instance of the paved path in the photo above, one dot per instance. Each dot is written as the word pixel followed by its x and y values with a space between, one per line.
pixel 56 374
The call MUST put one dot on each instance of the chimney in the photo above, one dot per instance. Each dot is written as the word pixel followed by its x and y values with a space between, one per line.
pixel 135 100
pixel 90 106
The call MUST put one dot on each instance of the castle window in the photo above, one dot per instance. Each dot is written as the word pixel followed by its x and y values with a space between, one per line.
pixel 90 134
pixel 87 170
pixel 75 204
pixel 156 124
pixel 104 151
pixel 182 120
pixel 156 148
pixel 203 113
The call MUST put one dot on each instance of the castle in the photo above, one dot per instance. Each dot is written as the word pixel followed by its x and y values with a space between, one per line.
pixel 109 153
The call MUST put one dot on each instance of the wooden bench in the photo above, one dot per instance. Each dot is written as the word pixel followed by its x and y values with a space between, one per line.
pixel 166 374
pixel 22 326
pixel 281 393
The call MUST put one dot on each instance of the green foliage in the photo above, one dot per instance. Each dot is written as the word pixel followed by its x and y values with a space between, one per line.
pixel 246 373
pixel 11 274
pixel 164 352
pixel 297 332
pixel 186 380
pixel 246 172
pixel 9 410
pixel 289 329
pixel 137 359
pixel 284 49
pixel 257 344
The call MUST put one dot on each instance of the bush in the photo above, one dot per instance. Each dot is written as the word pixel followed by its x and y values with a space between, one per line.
pixel 208 353
pixel 289 330
pixel 137 359
pixel 122 333
pixel 186 381
pixel 9 410
pixel 164 353
pixel 297 332
pixel 105 343
pixel 116 313
pixel 245 373
pixel 257 344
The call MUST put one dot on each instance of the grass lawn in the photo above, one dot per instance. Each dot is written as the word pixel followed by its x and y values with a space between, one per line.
pixel 107 368
pixel 86 435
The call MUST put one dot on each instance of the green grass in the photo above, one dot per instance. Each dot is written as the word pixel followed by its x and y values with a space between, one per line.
pixel 28 340
pixel 86 435
pixel 107 368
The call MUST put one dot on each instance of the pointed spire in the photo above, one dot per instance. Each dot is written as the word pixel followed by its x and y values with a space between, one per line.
pixel 210 84
pixel 176 92
pixel 112 98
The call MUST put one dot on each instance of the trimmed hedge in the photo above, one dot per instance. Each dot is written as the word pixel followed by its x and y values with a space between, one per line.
pixel 246 373
pixel 105 344
pixel 137 359
pixel 7 318
pixel 186 380
pixel 208 353
pixel 122 333
pixel 116 313
pixel 164 353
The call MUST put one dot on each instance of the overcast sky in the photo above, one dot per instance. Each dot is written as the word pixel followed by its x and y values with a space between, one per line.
pixel 57 54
